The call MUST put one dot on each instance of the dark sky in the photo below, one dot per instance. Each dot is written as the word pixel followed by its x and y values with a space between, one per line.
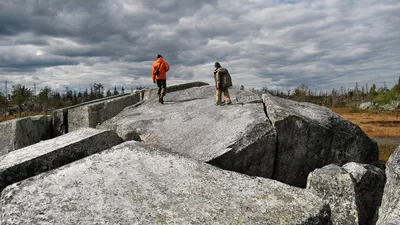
pixel 323 44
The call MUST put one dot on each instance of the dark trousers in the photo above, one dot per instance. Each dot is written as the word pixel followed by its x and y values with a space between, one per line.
pixel 162 87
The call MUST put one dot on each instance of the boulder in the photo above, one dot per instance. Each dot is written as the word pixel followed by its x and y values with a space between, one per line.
pixel 19 133
pixel 47 155
pixel 133 184
pixel 354 191
pixel 369 182
pixel 335 185
pixel 389 212
pixel 366 105
pixel 395 104
pixel 387 107
pixel 237 137
pixel 312 136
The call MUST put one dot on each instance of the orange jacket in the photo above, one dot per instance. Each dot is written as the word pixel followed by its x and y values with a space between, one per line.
pixel 163 69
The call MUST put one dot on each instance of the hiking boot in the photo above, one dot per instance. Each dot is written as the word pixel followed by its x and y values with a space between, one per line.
pixel 228 103
pixel 161 100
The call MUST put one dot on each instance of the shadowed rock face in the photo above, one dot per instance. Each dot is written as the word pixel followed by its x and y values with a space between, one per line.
pixel 237 137
pixel 369 182
pixel 389 212
pixel 133 184
pixel 311 136
pixel 354 191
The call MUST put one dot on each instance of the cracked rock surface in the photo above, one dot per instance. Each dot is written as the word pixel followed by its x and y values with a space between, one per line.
pixel 237 137
pixel 389 212
pixel 312 136
pixel 262 136
pixel 132 184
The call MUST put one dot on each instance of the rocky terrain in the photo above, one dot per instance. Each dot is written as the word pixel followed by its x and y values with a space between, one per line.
pixel 261 160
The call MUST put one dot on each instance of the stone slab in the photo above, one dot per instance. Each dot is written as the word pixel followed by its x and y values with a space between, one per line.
pixel 237 137
pixel 312 136
pixel 47 155
pixel 19 133
pixel 133 184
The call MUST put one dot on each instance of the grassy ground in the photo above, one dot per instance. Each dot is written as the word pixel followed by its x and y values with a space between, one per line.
pixel 383 127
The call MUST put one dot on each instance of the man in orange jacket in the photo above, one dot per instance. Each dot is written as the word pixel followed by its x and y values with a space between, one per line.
pixel 159 75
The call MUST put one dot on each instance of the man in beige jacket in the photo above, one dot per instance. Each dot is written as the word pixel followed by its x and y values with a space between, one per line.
pixel 222 83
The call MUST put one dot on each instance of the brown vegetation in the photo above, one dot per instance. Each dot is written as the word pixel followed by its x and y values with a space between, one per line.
pixel 376 125
pixel 24 114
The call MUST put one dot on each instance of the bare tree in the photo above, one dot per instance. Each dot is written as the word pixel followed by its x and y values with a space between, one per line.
pixel 98 89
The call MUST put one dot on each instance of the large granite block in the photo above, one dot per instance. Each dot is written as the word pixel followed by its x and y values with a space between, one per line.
pixel 19 133
pixel 92 113
pixel 133 184
pixel 46 155
pixel 238 137
pixel 312 136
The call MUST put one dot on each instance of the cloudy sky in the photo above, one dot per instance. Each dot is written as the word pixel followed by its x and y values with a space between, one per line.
pixel 279 44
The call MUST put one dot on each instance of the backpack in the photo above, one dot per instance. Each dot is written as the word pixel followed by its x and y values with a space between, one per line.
pixel 226 77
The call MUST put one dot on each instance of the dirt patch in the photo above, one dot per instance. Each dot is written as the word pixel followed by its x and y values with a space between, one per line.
pixel 383 127
pixel 382 123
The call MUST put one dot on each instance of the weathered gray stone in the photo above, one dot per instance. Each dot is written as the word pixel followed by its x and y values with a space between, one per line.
pixel 387 107
pixel 19 133
pixel 237 137
pixel 366 105
pixel 53 153
pixel 93 114
pixel 311 136
pixel 335 185
pixel 389 212
pixel 395 104
pixel 369 182
pixel 132 184
pixel 85 117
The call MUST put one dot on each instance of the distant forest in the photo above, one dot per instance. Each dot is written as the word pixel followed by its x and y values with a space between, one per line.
pixel 350 97
pixel 23 101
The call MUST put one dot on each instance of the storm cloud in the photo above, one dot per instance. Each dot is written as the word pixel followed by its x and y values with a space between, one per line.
pixel 323 44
